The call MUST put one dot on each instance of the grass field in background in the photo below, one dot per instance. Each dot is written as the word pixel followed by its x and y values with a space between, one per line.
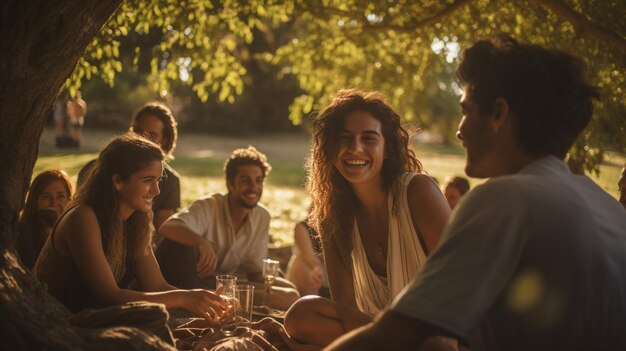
pixel 200 159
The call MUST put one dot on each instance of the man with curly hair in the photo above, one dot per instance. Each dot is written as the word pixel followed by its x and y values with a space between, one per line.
pixel 223 234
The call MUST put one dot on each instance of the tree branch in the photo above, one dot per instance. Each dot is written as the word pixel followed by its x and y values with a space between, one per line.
pixel 584 27
pixel 415 25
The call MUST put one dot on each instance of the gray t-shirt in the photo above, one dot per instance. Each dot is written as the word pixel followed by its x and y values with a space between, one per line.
pixel 532 261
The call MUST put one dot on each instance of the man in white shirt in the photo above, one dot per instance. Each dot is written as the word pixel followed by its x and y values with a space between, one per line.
pixel 535 258
pixel 223 234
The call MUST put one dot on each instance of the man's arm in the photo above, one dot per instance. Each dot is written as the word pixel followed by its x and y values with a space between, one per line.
pixel 176 230
pixel 392 331
pixel 160 216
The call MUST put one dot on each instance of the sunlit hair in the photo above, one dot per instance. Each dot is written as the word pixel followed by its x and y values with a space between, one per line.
pixel 30 214
pixel 545 89
pixel 460 183
pixel 247 156
pixel 333 201
pixel 164 114
pixel 124 156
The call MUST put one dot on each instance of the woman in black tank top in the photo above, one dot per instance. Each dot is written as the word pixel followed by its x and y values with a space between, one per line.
pixel 104 239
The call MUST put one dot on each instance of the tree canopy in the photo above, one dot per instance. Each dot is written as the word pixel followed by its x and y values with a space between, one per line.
pixel 405 49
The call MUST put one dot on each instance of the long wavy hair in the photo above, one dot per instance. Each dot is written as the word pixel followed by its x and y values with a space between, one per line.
pixel 30 214
pixel 333 200
pixel 121 240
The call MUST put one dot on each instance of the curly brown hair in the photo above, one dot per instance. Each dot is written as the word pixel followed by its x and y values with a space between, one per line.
pixel 124 156
pixel 247 156
pixel 333 201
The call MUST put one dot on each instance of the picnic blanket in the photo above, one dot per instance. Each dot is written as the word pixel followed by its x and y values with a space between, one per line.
pixel 198 335
pixel 186 332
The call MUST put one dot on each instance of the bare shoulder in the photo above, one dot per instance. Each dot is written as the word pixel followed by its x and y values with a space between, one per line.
pixel 79 221
pixel 422 185
pixel 81 215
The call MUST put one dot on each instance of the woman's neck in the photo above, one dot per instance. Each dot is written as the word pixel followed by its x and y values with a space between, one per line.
pixel 372 198
pixel 125 212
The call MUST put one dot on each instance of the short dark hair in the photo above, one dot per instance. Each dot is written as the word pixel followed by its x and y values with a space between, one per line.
pixel 545 90
pixel 163 113
pixel 458 182
pixel 247 156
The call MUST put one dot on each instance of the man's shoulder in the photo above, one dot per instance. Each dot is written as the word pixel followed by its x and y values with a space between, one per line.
pixel 261 211
pixel 216 199
pixel 498 189
pixel 209 203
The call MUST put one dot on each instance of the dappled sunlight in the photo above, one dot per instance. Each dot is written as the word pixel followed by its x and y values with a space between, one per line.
pixel 526 291
pixel 284 193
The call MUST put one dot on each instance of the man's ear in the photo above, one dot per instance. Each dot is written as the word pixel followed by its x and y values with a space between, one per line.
pixel 501 114
pixel 117 182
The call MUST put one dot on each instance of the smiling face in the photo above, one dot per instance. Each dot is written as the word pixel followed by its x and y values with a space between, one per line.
pixel 150 127
pixel 54 196
pixel 138 191
pixel 247 186
pixel 361 151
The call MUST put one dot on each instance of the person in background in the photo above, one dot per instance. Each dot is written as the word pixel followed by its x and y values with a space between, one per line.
pixel 49 193
pixel 306 265
pixel 102 241
pixel 534 258
pixel 76 110
pixel 621 183
pixel 156 122
pixel 59 117
pixel 454 189
pixel 378 216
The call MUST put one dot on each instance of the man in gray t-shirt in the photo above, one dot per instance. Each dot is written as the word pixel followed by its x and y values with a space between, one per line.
pixel 535 258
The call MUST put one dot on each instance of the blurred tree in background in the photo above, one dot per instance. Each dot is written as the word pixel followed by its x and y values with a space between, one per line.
pixel 280 59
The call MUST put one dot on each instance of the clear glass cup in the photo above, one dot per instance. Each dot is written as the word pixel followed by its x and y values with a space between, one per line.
pixel 227 282
pixel 270 270
pixel 244 299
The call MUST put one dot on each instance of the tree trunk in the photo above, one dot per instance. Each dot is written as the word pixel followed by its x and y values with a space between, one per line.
pixel 41 42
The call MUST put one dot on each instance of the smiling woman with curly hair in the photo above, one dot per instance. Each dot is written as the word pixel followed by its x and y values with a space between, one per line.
pixel 377 215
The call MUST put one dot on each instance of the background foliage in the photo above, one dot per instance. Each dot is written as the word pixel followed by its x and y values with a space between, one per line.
pixel 245 66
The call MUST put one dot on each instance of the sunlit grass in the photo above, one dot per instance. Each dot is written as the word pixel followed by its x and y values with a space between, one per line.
pixel 284 193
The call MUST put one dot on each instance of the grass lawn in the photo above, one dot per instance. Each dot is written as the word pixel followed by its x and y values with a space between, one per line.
pixel 200 158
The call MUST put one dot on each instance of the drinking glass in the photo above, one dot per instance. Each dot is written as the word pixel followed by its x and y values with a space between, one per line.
pixel 244 295
pixel 227 282
pixel 270 269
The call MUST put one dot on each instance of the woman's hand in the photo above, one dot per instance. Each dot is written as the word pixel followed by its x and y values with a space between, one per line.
pixel 206 304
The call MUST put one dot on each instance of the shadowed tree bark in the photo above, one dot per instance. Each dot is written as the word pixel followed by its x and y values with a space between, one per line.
pixel 41 42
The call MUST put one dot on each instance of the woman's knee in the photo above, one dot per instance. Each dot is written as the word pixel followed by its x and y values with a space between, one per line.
pixel 302 313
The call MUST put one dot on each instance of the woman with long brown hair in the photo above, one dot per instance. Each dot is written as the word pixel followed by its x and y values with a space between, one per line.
pixel 103 240
pixel 377 215
pixel 49 193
